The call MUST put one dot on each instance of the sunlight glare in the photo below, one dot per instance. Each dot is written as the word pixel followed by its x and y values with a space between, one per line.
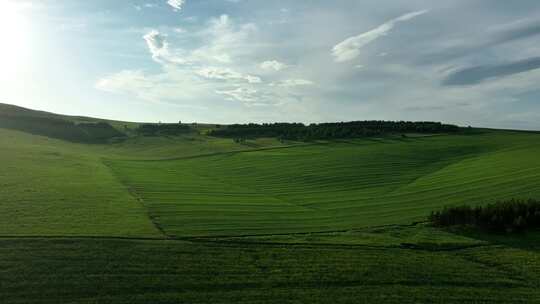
pixel 13 32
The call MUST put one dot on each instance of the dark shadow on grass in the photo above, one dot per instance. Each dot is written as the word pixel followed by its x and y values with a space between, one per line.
pixel 528 240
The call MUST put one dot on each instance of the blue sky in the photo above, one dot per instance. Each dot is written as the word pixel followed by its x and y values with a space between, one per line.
pixel 466 62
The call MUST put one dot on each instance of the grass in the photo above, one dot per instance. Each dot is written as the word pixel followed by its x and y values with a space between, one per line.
pixel 49 187
pixel 332 186
pixel 196 219
pixel 138 271
pixel 55 188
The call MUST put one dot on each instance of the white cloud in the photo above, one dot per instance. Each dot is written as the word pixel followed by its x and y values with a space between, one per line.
pixel 245 95
pixel 176 4
pixel 225 57
pixel 222 64
pixel 157 44
pixel 293 83
pixel 179 30
pixel 225 40
pixel 273 65
pixel 349 49
pixel 122 81
pixel 226 74
pixel 170 86
pixel 159 48
pixel 146 5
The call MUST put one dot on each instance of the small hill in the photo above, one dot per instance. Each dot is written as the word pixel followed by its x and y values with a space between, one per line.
pixel 70 128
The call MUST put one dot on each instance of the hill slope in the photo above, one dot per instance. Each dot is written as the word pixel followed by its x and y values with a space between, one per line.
pixel 55 188
pixel 51 187
pixel 334 186
pixel 283 222
pixel 75 129
pixel 8 109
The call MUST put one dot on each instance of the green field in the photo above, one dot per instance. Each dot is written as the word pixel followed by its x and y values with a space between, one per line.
pixel 197 219
pixel 332 186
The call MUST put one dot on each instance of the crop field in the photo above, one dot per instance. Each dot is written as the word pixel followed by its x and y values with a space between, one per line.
pixel 197 219
pixel 332 186
pixel 50 188
pixel 460 270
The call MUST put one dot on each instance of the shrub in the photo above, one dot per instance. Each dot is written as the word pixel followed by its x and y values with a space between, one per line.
pixel 504 216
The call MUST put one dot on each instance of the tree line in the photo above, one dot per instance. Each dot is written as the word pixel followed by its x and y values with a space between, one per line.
pixel 504 216
pixel 340 130
pixel 100 132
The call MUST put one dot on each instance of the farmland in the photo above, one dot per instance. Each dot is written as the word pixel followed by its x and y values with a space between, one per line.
pixel 332 186
pixel 195 218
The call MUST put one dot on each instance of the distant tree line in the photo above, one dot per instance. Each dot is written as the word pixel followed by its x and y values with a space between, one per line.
pixel 506 216
pixel 340 130
pixel 163 129
pixel 60 128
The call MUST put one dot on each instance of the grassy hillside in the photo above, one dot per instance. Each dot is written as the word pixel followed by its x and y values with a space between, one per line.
pixel 74 129
pixel 7 109
pixel 333 186
pixel 50 187
pixel 199 219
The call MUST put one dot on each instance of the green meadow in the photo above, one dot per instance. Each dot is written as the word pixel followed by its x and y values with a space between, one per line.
pixel 199 219
pixel 332 185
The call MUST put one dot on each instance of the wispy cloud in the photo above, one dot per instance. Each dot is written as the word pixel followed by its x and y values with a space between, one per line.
pixel 273 65
pixel 123 80
pixel 435 63
pixel 167 87
pixel 349 49
pixel 225 40
pixel 215 67
pixel 245 95
pixel 498 35
pixel 226 74
pixel 293 83
pixel 477 74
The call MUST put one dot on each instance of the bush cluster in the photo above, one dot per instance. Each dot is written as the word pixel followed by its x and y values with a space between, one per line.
pixel 505 216
pixel 341 130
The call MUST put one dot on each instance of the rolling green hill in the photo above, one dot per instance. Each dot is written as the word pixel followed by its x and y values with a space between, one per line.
pixel 333 186
pixel 195 218
pixel 12 110
pixel 74 129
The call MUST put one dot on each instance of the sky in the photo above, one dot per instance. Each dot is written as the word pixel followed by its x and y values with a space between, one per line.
pixel 468 62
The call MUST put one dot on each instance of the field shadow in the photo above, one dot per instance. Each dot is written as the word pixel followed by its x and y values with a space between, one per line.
pixel 529 240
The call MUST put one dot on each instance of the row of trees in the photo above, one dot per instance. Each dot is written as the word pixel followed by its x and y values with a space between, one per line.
pixel 506 216
pixel 60 128
pixel 163 129
pixel 341 130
